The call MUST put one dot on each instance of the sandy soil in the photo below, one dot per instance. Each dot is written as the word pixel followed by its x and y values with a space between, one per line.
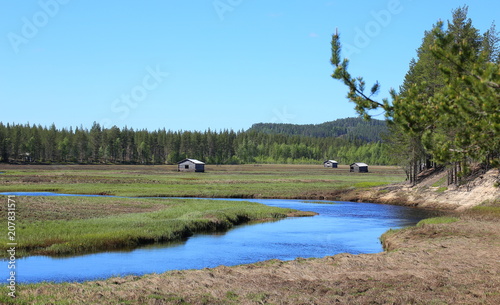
pixel 433 192
pixel 466 196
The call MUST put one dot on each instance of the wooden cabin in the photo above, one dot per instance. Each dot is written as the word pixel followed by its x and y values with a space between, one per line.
pixel 191 165
pixel 331 164
pixel 359 167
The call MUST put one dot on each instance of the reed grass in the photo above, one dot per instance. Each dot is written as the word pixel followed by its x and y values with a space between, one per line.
pixel 166 220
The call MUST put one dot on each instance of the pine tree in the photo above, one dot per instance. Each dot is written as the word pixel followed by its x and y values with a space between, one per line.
pixel 451 113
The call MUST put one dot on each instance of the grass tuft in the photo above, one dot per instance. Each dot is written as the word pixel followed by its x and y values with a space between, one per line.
pixel 489 209
pixel 437 220
pixel 441 189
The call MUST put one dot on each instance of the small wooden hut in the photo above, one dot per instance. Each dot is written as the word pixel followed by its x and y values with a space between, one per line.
pixel 359 167
pixel 191 165
pixel 331 164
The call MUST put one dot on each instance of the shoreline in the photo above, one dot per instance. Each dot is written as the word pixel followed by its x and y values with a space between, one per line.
pixel 58 223
pixel 432 263
pixel 453 263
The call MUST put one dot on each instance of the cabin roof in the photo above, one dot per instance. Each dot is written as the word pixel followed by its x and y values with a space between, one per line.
pixel 360 164
pixel 331 161
pixel 191 160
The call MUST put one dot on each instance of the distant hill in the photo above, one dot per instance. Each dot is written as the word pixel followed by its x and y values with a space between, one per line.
pixel 370 131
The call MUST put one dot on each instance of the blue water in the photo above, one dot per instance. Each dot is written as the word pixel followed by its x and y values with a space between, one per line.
pixel 340 227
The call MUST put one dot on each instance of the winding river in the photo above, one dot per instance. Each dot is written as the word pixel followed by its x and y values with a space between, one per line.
pixel 340 227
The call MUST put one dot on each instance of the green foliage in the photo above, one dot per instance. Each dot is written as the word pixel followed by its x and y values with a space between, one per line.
pixel 25 143
pixel 448 108
pixel 351 128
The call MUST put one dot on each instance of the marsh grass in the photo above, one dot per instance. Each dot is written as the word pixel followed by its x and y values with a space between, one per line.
pixel 247 181
pixel 487 210
pixel 121 223
pixel 437 220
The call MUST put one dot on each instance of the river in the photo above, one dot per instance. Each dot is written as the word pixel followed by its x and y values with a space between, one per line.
pixel 340 227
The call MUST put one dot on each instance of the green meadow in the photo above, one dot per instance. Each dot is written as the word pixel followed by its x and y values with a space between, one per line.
pixel 226 181
pixel 75 225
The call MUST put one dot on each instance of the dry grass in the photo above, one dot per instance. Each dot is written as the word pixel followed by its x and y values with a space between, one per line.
pixel 454 263
pixel 72 208
pixel 451 263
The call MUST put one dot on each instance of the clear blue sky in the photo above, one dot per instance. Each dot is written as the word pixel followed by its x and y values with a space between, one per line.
pixel 193 65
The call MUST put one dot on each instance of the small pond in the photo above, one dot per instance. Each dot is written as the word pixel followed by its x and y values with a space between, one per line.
pixel 340 227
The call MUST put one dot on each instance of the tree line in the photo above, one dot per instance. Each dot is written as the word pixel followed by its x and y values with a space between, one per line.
pixel 447 111
pixel 353 128
pixel 38 144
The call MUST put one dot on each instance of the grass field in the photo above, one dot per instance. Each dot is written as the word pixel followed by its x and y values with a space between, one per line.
pixel 75 225
pixel 437 262
pixel 447 260
pixel 227 181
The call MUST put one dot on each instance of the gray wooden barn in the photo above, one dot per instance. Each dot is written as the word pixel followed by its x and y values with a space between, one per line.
pixel 359 167
pixel 191 165
pixel 331 164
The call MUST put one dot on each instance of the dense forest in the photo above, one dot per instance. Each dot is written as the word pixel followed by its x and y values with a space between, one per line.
pixel 447 111
pixel 37 144
pixel 351 128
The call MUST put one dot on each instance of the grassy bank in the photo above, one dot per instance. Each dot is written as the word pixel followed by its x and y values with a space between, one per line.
pixel 244 181
pixel 443 261
pixel 487 211
pixel 447 260
pixel 77 225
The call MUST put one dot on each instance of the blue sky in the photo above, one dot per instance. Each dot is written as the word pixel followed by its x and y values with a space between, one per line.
pixel 194 65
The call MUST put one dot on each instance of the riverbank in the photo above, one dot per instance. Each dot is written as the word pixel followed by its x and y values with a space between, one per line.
pixel 383 184
pixel 452 263
pixel 433 192
pixel 58 225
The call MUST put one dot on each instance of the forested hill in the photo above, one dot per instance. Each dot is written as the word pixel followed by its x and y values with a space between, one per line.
pixel 351 128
